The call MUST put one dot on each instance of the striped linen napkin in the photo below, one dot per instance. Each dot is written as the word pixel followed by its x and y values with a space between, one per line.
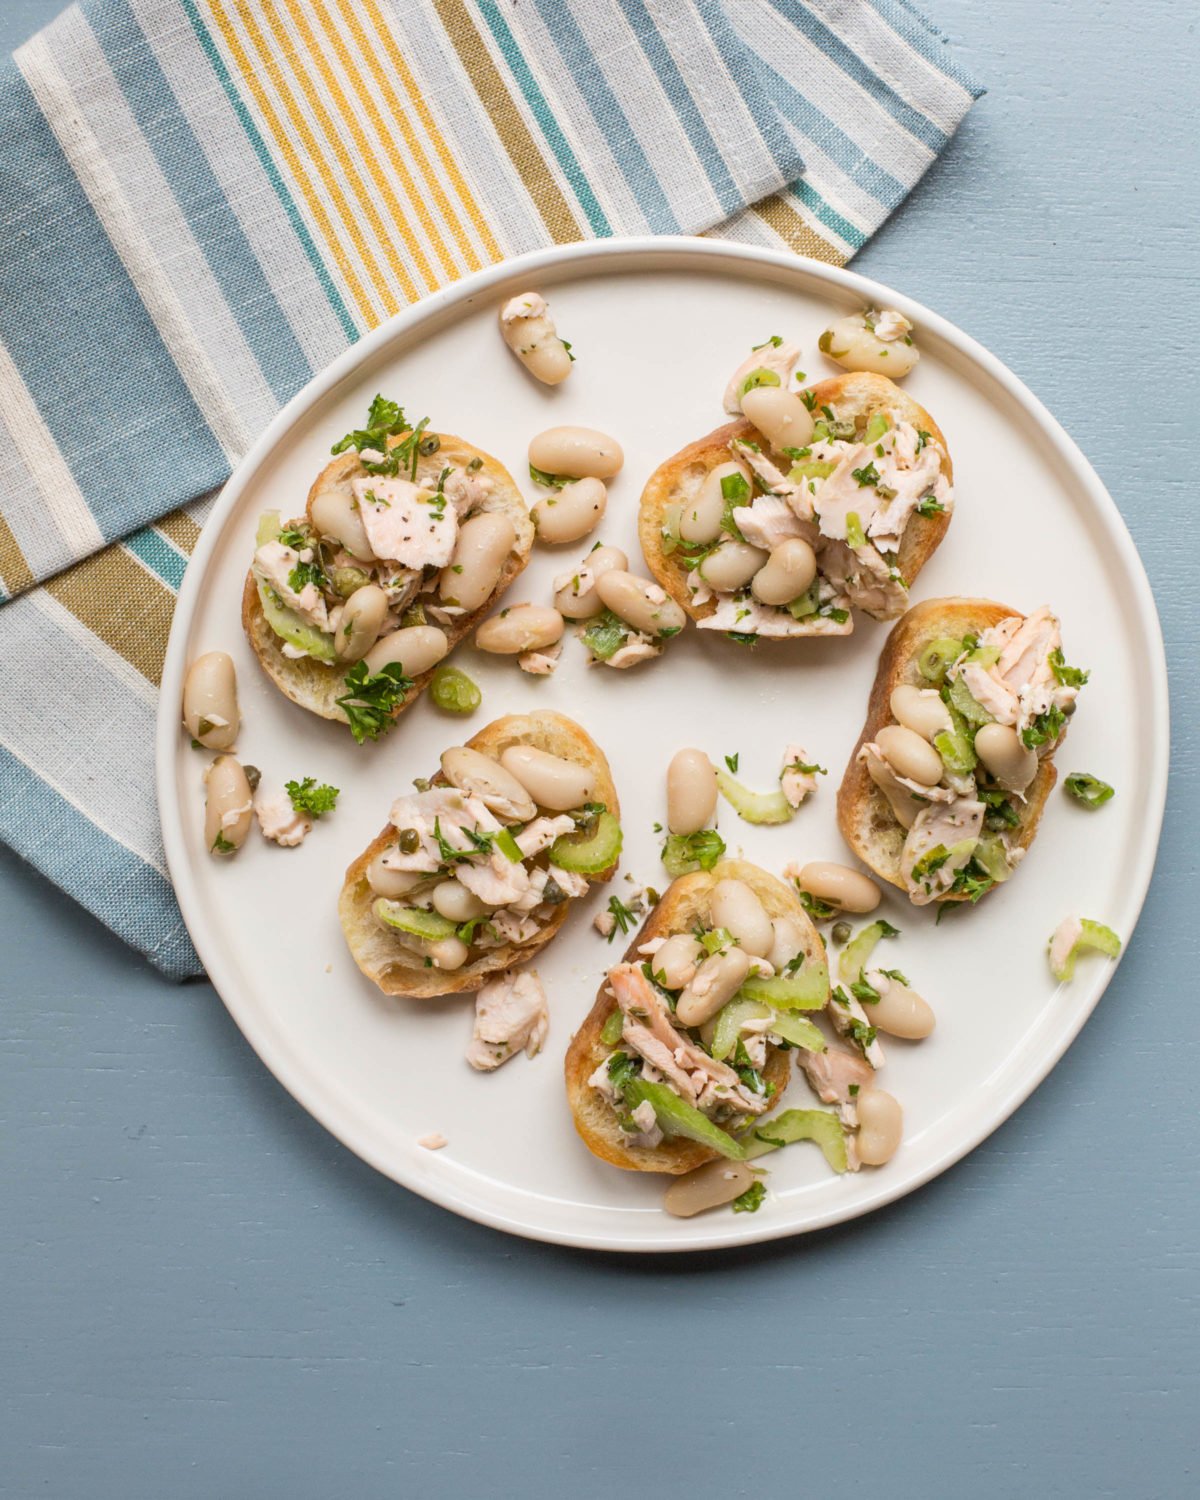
pixel 203 202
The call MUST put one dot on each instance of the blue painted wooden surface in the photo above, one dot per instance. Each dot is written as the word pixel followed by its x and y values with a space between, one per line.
pixel 206 1296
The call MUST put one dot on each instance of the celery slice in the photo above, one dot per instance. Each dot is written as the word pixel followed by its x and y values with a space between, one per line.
pixel 812 468
pixel 590 853
pixel 1093 937
pixel 936 657
pixel 613 1028
pixel 288 625
pixel 415 921
pixel 270 524
pixel 819 1125
pixel 879 424
pixel 856 953
pixel 968 705
pixel 807 989
pixel 754 807
pixel 676 1117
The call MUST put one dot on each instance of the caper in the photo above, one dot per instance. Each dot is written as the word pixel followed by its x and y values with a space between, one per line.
pixel 553 893
pixel 475 465
pixel 840 932
pixel 253 776
pixel 410 841
pixel 414 615
pixel 430 443
pixel 347 581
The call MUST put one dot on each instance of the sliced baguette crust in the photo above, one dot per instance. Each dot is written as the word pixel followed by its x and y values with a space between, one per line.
pixel 864 815
pixel 395 969
pixel 684 902
pixel 857 395
pixel 317 687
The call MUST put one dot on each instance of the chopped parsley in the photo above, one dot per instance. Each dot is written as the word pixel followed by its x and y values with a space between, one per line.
pixel 549 481
pixel 864 992
pixel 861 1034
pixel 732 761
pixel 818 910
pixel 296 537
pixel 774 341
pixel 930 863
pixel 1045 728
pixel 972 881
pixel 385 419
pixel 868 474
pixel 371 701
pixel 622 1069
pixel 735 488
pixel 1069 676
pixel 809 400
pixel 305 573
pixel 922 438
pixel 1089 790
pixel 309 797
pixel 221 845
pixel 929 505
pixel 751 1200
pixel 1000 811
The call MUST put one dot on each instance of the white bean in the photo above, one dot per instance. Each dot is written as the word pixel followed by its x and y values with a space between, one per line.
pixel 716 980
pixel 700 517
pixel 478 774
pixel 554 783
pixel 385 881
pixel 880 1126
pixel 581 452
pixel 640 602
pixel 709 1186
pixel 446 953
pixel 210 701
pixel 228 806
pixel 570 514
pixel 786 574
pixel 334 513
pixel 361 621
pixel 921 710
pixel 780 415
pixel 851 344
pixel 691 791
pixel 731 565
pixel 452 900
pixel 788 942
pixel 480 551
pixel 523 627
pixel 909 755
pixel 1007 757
pixel 577 598
pixel 416 648
pixel 528 329
pixel 676 962
pixel 735 907
pixel 840 886
pixel 899 1010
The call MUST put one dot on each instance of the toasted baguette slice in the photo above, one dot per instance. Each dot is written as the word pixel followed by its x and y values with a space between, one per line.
pixel 867 822
pixel 317 687
pixel 857 397
pixel 397 970
pixel 683 904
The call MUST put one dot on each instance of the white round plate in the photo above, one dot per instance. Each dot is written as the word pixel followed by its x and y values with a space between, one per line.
pixel 658 325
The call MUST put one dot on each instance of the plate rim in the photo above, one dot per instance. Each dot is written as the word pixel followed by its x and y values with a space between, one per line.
pixel 672 252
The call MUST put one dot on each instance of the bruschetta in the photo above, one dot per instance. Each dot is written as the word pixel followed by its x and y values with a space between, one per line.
pixel 945 788
pixel 783 530
pixel 476 869
pixel 408 539
pixel 680 1052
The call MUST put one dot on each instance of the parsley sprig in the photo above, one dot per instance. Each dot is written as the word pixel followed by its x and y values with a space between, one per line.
pixel 309 797
pixel 371 701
